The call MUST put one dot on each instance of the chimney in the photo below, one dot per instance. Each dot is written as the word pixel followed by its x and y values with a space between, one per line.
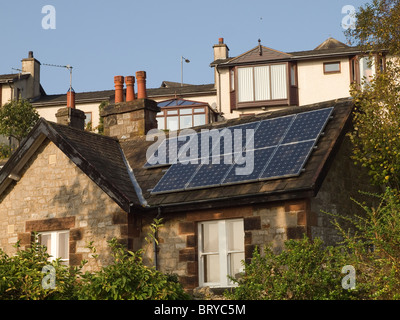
pixel 32 66
pixel 125 120
pixel 71 98
pixel 74 118
pixel 130 88
pixel 119 89
pixel 141 84
pixel 221 50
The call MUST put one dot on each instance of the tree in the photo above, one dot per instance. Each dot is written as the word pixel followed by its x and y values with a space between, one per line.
pixel 17 118
pixel 376 136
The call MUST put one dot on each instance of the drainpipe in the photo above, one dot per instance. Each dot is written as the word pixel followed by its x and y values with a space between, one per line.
pixel 154 241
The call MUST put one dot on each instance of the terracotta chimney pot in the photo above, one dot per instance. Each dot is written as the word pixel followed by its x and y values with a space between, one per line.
pixel 119 89
pixel 141 84
pixel 130 88
pixel 71 98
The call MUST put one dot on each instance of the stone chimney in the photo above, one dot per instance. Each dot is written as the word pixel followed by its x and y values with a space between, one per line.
pixel 221 50
pixel 125 120
pixel 73 118
pixel 32 66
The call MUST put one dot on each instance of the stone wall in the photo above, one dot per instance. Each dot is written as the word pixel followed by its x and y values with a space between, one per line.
pixel 343 182
pixel 269 224
pixel 54 194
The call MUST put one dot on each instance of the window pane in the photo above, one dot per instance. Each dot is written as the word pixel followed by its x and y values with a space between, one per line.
pixel 160 123
pixel 366 70
pixel 45 240
pixel 88 117
pixel 278 81
pixel 172 123
pixel 172 112
pixel 211 268
pixel 293 75
pixel 199 119
pixel 210 237
pixel 245 84
pixel 261 83
pixel 332 67
pixel 235 264
pixel 235 235
pixel 185 111
pixel 63 245
pixel 186 122
pixel 199 110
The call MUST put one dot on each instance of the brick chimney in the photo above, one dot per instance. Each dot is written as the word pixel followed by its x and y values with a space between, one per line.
pixel 119 89
pixel 130 88
pixel 125 120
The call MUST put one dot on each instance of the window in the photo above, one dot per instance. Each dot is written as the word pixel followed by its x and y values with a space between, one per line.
pixel 57 243
pixel 221 250
pixel 332 67
pixel 88 118
pixel 182 118
pixel 367 69
pixel 262 83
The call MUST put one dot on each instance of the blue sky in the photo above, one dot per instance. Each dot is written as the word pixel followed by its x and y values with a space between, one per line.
pixel 101 39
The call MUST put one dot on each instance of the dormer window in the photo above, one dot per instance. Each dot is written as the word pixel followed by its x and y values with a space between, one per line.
pixel 262 83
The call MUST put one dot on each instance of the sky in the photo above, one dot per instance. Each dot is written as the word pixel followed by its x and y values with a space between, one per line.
pixel 101 39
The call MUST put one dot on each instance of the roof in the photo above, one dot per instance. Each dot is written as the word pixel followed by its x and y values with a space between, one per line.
pixel 13 77
pixel 98 96
pixel 305 185
pixel 180 103
pixel 99 157
pixel 329 48
pixel 117 167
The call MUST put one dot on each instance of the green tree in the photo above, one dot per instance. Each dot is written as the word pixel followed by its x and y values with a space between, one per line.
pixel 376 136
pixel 17 118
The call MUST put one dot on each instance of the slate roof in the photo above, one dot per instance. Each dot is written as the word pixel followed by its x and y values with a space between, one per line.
pixel 117 167
pixel 99 157
pixel 98 96
pixel 13 76
pixel 305 185
pixel 329 48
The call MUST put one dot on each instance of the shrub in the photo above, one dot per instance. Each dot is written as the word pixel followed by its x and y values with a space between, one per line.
pixel 304 270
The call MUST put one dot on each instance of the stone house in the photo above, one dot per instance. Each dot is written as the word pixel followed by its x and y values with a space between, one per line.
pixel 72 187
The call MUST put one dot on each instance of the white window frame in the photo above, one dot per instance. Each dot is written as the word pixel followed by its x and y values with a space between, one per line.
pixel 224 253
pixel 54 240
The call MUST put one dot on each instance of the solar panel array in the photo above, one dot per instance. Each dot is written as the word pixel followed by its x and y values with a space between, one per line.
pixel 279 148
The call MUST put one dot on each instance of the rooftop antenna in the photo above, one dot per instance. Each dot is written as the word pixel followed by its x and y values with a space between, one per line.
pixel 69 67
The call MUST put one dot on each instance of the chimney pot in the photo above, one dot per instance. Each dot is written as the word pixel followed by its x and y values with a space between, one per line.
pixel 30 54
pixel 221 40
pixel 130 88
pixel 119 89
pixel 71 99
pixel 141 84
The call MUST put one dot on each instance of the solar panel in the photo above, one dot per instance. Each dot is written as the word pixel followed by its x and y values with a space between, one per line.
pixel 175 179
pixel 211 174
pixel 288 160
pixel 271 131
pixel 239 172
pixel 279 148
pixel 307 125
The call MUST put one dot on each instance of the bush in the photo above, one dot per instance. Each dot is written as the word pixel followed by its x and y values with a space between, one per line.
pixel 127 277
pixel 304 270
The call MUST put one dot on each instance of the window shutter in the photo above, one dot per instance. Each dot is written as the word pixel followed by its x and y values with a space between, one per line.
pixel 278 81
pixel 245 84
pixel 262 83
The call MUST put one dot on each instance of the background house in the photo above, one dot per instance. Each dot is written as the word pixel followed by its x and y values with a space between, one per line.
pixel 264 79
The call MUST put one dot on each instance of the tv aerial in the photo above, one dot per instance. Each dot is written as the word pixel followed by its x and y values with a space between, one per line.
pixel 69 67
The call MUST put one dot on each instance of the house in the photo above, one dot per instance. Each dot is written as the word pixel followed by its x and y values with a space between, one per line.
pixel 265 79
pixel 74 186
